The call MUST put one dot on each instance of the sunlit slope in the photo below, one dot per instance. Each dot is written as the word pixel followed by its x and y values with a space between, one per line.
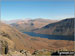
pixel 23 41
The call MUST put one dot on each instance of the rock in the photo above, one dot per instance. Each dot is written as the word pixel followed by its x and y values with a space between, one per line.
pixel 25 52
pixel 6 45
pixel 15 53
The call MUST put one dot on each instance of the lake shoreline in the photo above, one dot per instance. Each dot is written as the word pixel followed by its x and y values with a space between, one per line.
pixel 53 37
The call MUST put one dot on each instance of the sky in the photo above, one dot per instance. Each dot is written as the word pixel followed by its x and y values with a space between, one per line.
pixel 56 10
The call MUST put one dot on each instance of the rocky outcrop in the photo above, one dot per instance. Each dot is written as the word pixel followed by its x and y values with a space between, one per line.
pixel 25 52
pixel 7 48
pixel 16 53
pixel 6 45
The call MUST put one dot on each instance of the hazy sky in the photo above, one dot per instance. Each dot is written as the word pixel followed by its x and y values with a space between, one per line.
pixel 11 10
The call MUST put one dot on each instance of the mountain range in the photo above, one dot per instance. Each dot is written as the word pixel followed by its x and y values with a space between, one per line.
pixel 30 24
pixel 16 40
pixel 46 26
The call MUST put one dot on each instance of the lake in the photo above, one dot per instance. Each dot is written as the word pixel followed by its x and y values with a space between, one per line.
pixel 55 37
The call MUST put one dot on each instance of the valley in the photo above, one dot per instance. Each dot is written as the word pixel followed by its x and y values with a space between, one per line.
pixel 32 41
pixel 37 28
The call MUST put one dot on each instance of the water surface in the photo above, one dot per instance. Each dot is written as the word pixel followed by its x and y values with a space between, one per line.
pixel 55 37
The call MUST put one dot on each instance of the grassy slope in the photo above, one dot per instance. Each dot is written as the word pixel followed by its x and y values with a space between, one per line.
pixel 23 41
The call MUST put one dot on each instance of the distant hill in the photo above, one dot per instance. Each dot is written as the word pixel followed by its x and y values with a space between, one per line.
pixel 30 25
pixel 63 27
pixel 23 41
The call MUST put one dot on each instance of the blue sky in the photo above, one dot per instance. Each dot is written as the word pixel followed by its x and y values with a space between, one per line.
pixel 11 10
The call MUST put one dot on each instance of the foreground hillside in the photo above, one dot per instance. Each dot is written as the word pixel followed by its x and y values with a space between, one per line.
pixel 63 27
pixel 15 40
pixel 30 25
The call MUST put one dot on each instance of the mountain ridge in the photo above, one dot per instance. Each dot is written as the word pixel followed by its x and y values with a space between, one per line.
pixel 63 27
pixel 30 25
